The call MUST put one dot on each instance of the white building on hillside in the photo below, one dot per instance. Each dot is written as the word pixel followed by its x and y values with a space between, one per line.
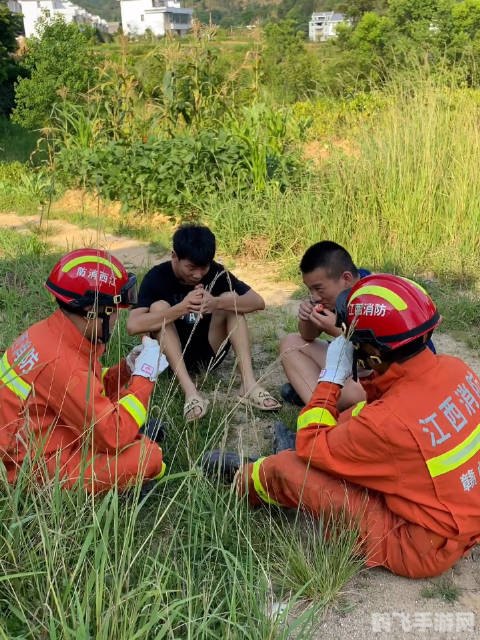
pixel 33 10
pixel 323 25
pixel 158 16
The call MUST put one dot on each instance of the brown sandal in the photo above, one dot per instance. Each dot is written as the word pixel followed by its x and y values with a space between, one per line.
pixel 195 403
pixel 257 398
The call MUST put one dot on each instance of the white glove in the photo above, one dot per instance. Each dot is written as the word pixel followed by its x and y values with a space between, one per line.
pixel 150 361
pixel 132 356
pixel 339 362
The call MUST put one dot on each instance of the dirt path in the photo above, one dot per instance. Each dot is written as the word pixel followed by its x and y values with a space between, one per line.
pixel 376 604
pixel 67 236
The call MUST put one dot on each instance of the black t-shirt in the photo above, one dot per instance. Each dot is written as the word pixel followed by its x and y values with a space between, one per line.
pixel 160 283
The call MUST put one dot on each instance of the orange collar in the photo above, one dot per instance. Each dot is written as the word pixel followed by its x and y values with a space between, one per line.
pixel 410 369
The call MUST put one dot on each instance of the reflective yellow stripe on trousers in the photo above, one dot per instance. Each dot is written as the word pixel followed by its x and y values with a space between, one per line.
pixel 104 373
pixel 257 483
pixel 315 416
pixel 135 408
pixel 12 380
pixel 162 472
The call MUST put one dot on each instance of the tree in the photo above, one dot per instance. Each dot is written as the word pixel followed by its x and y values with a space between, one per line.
pixel 466 18
pixel 288 68
pixel 10 27
pixel 414 18
pixel 60 64
pixel 457 31
pixel 299 11
pixel 355 9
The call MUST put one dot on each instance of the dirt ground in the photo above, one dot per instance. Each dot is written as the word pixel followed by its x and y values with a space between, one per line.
pixel 61 234
pixel 375 604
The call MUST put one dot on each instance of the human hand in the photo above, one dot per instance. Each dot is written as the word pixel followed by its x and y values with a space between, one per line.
pixel 324 320
pixel 193 300
pixel 338 363
pixel 209 303
pixel 304 310
pixel 132 356
pixel 149 361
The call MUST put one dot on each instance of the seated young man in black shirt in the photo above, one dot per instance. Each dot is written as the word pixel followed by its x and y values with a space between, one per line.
pixel 199 308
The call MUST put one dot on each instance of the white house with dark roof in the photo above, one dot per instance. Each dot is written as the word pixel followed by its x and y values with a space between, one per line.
pixel 33 10
pixel 323 25
pixel 157 16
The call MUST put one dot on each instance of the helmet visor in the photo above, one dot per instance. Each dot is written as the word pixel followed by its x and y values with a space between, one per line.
pixel 129 294
pixel 341 308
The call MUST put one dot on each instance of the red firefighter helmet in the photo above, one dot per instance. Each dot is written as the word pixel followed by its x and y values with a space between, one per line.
pixel 87 277
pixel 389 311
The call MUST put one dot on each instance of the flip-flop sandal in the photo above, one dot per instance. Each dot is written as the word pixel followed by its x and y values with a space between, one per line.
pixel 257 397
pixel 192 404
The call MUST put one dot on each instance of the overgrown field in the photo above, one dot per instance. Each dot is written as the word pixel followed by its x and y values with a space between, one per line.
pixel 188 561
pixel 401 192
pixel 270 141
pixel 275 145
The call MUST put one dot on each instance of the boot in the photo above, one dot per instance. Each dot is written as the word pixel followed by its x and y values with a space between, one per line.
pixel 154 429
pixel 289 394
pixel 283 438
pixel 223 464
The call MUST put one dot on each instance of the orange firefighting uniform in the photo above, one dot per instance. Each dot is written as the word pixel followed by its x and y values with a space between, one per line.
pixel 83 420
pixel 404 466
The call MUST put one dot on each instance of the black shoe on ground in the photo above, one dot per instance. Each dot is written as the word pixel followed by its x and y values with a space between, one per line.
pixel 283 438
pixel 147 488
pixel 154 429
pixel 223 464
pixel 289 394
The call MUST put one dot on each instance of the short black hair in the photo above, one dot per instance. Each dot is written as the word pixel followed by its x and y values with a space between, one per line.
pixel 196 243
pixel 330 256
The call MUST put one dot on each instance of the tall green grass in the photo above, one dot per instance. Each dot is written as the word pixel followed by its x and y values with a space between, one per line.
pixel 187 561
pixel 408 200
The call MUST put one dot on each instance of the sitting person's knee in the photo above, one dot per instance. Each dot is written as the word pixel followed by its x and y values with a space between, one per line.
pixel 291 342
pixel 352 394
pixel 161 305
pixel 224 312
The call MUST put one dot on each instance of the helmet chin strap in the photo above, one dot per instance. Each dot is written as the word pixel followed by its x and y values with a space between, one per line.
pixel 105 327
pixel 355 367
pixel 104 315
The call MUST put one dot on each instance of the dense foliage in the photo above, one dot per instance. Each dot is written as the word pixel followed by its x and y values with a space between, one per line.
pixel 60 64
pixel 167 125
pixel 11 26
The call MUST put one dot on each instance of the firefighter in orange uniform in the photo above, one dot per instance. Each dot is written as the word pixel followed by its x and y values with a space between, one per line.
pixel 58 406
pixel 404 466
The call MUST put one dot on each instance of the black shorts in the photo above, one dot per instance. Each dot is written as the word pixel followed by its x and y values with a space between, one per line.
pixel 199 355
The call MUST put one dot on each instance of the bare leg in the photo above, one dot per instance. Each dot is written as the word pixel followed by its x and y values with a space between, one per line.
pixel 303 361
pixel 172 348
pixel 231 325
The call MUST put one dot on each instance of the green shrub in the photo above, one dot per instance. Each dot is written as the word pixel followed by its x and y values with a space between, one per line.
pixel 179 172
pixel 60 64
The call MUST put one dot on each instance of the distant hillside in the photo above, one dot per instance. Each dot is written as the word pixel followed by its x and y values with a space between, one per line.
pixel 107 9
pixel 231 13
